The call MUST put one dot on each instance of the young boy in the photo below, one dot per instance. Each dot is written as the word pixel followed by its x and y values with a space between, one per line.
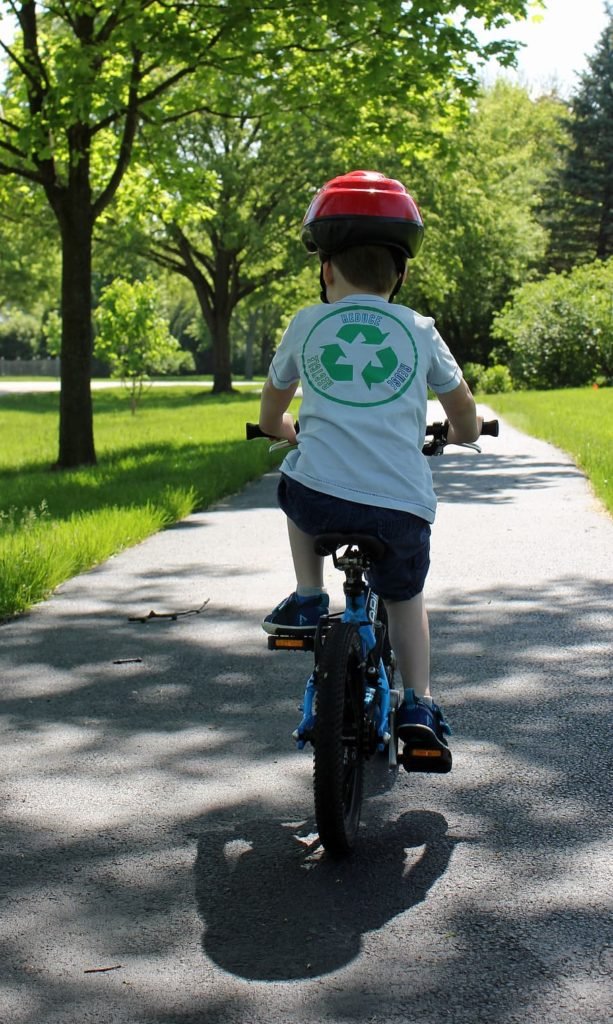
pixel 365 366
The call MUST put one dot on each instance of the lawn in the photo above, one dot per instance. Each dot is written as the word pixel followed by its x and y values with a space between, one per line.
pixel 182 450
pixel 578 420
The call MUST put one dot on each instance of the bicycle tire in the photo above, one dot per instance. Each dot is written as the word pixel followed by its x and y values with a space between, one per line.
pixel 338 757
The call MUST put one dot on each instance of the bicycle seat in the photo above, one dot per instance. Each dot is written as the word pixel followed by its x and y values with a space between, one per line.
pixel 329 543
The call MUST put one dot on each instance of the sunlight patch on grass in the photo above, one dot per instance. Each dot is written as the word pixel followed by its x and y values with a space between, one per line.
pixel 577 420
pixel 182 451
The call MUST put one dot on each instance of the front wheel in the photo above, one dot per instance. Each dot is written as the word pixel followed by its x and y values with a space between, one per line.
pixel 338 760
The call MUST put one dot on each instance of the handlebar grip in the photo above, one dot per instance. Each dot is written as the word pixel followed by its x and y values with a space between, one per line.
pixel 491 427
pixel 252 431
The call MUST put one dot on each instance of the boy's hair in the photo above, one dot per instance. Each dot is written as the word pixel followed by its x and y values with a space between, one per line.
pixel 371 267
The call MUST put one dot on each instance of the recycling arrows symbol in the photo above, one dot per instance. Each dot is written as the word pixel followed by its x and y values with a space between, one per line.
pixel 373 373
pixel 388 361
pixel 330 356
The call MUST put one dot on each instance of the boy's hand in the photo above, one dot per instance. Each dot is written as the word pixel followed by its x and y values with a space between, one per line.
pixel 459 405
pixel 288 430
pixel 454 437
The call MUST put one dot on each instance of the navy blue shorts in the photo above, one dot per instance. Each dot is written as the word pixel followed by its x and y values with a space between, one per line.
pixel 402 571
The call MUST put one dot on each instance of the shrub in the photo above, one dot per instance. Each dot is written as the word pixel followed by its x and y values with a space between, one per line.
pixel 496 380
pixel 472 375
pixel 20 335
pixel 559 331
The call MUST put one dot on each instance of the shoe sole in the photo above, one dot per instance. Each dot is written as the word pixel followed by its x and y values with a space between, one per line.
pixel 423 751
pixel 273 629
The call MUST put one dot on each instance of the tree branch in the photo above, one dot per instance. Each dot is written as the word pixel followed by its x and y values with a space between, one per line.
pixel 38 83
pixel 127 141
pixel 22 172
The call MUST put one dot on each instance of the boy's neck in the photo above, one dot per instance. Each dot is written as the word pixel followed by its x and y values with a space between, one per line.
pixel 338 287
pixel 342 290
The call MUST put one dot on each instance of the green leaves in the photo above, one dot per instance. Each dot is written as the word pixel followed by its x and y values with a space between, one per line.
pixel 133 337
pixel 580 201
pixel 480 200
pixel 559 331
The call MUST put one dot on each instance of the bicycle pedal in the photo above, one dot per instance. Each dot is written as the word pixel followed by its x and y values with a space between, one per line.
pixel 289 642
pixel 422 759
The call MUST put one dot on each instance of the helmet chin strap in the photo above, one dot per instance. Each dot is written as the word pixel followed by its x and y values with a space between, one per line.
pixel 323 295
pixel 396 288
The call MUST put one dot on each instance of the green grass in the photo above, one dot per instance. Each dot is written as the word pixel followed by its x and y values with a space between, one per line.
pixel 183 450
pixel 577 420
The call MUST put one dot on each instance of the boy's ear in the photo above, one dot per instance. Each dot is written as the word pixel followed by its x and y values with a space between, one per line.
pixel 328 272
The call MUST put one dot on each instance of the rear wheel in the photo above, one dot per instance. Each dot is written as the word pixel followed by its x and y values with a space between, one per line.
pixel 339 740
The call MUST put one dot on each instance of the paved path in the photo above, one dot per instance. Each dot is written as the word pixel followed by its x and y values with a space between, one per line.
pixel 15 387
pixel 157 822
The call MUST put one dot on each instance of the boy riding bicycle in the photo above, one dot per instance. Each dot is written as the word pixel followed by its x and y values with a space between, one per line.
pixel 365 366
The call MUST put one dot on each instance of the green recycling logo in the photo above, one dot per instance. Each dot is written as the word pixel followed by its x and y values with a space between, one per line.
pixel 358 355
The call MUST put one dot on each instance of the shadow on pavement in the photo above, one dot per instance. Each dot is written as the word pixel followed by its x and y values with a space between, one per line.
pixel 125 790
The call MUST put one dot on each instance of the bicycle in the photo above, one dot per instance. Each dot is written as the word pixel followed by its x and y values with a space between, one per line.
pixel 349 705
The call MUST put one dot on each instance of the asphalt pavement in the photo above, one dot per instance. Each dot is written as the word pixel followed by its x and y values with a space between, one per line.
pixel 158 856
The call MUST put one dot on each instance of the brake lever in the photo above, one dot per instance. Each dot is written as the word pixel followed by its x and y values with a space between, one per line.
pixel 434 447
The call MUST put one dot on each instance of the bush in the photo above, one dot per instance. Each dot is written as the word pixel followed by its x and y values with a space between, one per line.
pixel 20 335
pixel 472 375
pixel 558 332
pixel 496 380
pixel 493 379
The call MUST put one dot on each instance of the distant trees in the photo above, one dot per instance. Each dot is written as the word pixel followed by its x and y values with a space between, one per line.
pixel 579 200
pixel 219 207
pixel 480 198
pixel 558 331
pixel 82 78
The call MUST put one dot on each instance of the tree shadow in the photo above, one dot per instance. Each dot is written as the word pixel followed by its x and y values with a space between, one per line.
pixel 496 477
pixel 171 782
pixel 130 477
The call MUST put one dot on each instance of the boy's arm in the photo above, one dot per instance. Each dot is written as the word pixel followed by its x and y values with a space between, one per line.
pixel 274 419
pixel 459 406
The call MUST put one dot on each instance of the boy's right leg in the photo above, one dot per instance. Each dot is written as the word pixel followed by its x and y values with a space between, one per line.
pixel 410 641
pixel 421 725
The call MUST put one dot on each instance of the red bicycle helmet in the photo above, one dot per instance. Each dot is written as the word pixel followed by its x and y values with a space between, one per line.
pixel 363 208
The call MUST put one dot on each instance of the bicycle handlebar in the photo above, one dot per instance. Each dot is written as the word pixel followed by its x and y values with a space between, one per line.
pixel 436 431
pixel 252 431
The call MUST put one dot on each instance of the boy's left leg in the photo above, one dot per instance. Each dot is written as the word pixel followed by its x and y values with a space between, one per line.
pixel 302 610
pixel 308 566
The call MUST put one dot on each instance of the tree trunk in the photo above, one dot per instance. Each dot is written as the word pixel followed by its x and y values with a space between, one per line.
pixel 250 345
pixel 222 367
pixel 76 436
pixel 217 314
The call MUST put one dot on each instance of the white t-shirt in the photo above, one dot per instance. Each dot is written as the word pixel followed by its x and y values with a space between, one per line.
pixel 365 366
